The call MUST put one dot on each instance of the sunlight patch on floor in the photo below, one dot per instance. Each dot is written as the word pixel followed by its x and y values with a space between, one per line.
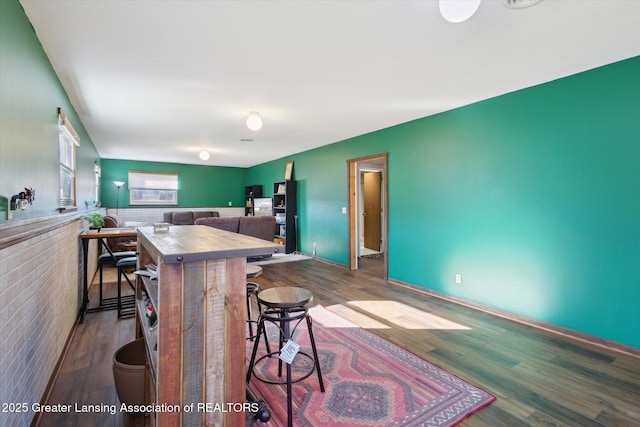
pixel 358 318
pixel 405 316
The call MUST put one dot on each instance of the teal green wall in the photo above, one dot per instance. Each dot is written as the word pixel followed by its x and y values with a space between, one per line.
pixel 197 185
pixel 30 94
pixel 534 197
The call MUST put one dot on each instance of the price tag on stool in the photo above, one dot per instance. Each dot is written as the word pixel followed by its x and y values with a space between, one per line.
pixel 289 351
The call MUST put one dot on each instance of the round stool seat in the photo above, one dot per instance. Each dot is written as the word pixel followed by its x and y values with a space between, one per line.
pixel 285 297
pixel 253 271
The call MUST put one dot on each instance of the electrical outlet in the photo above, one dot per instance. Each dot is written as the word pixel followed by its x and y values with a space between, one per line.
pixel 314 248
pixel 458 278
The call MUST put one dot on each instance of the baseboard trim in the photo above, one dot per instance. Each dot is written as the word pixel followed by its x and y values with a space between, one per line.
pixel 35 421
pixel 539 324
pixel 326 261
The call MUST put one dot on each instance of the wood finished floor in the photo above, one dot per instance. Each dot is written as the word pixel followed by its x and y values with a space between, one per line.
pixel 538 378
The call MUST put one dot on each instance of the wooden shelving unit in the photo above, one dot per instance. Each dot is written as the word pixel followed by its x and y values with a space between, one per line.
pixel 285 211
pixel 251 192
pixel 199 298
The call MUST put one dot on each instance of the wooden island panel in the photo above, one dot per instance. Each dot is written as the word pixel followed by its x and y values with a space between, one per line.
pixel 201 291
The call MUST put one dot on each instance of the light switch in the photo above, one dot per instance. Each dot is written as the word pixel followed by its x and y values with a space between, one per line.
pixel 344 210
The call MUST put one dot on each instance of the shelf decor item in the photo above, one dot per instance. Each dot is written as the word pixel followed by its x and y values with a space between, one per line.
pixel 251 194
pixel 288 170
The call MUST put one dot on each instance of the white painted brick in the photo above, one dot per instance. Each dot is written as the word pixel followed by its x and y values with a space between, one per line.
pixel 39 290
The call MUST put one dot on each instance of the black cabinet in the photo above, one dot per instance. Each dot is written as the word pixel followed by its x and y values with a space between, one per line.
pixel 251 192
pixel 285 211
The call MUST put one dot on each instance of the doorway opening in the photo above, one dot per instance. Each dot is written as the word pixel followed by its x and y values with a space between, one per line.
pixel 368 209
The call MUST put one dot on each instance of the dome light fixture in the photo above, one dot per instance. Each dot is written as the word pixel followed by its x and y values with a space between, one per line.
pixel 254 121
pixel 520 4
pixel 204 155
pixel 456 11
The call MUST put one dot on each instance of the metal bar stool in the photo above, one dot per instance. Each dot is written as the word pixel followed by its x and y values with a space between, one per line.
pixel 253 288
pixel 126 304
pixel 109 258
pixel 285 305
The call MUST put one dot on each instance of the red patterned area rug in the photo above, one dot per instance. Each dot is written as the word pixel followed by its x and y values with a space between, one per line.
pixel 368 381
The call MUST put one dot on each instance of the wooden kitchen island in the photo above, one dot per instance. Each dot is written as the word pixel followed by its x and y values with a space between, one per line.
pixel 196 349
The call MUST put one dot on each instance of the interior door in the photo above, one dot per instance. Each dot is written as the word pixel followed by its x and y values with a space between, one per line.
pixel 371 190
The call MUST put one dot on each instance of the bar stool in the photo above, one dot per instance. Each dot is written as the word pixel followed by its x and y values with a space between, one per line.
pixel 253 288
pixel 109 258
pixel 126 305
pixel 285 305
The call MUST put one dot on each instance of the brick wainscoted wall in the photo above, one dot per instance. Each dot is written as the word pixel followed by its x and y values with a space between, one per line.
pixel 40 290
pixel 151 215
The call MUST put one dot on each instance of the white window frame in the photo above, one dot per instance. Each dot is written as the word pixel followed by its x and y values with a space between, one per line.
pixel 68 140
pixel 98 173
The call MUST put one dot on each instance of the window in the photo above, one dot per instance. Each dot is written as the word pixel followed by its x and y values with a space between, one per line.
pixel 153 188
pixel 68 140
pixel 98 172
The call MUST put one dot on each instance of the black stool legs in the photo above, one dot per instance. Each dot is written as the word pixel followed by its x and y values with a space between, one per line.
pixel 283 317
pixel 126 305
pixel 253 289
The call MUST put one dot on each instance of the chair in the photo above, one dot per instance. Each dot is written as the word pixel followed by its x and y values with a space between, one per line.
pixel 126 304
pixel 284 306
pixel 118 244
pixel 111 259
pixel 253 289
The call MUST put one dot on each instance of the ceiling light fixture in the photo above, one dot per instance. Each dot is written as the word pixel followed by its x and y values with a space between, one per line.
pixel 519 4
pixel 456 11
pixel 204 155
pixel 254 122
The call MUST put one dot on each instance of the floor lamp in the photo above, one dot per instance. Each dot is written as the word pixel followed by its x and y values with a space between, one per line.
pixel 118 184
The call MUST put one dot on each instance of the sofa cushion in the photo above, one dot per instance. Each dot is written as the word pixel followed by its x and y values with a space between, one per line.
pixel 262 227
pixel 187 217
pixel 204 214
pixel 227 223
pixel 182 218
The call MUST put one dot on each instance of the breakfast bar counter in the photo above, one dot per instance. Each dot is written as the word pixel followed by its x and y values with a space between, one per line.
pixel 196 348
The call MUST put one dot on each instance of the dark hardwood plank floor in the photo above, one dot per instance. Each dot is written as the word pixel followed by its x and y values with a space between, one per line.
pixel 539 378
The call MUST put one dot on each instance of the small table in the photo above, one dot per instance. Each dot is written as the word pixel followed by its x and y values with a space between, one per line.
pixel 101 235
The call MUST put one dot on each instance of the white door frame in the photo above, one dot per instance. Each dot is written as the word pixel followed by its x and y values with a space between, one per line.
pixel 354 166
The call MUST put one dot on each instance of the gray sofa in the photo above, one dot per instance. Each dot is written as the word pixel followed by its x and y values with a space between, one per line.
pixel 261 227
pixel 187 217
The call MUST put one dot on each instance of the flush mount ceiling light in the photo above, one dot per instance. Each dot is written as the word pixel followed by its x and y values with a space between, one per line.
pixel 456 11
pixel 254 122
pixel 204 155
pixel 519 4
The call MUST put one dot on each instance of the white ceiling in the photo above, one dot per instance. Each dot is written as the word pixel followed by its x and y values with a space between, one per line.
pixel 162 80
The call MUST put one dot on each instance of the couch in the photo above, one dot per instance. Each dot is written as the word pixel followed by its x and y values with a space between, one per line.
pixel 261 227
pixel 187 217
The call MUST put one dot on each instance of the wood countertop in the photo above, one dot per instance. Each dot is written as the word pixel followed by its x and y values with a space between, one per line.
pixel 187 243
